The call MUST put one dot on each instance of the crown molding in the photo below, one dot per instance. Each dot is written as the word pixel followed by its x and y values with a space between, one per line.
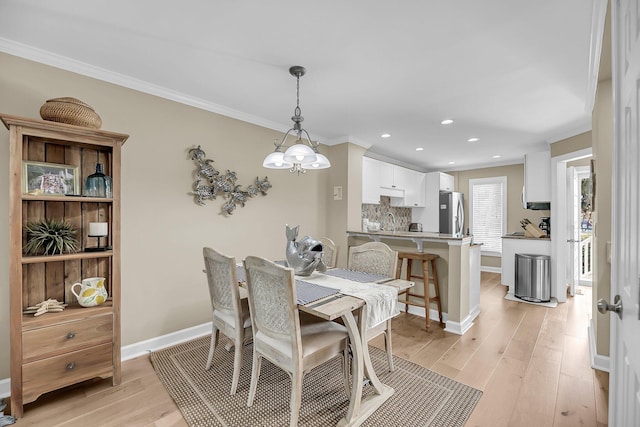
pixel 65 63
pixel 346 138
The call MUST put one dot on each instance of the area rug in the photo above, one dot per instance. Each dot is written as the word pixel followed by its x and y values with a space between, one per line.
pixel 421 398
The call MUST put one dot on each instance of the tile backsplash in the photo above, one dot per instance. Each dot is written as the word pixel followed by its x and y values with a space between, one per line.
pixel 379 213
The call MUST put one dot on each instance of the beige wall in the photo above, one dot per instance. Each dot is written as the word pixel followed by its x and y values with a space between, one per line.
pixel 580 163
pixel 602 153
pixel 515 211
pixel 570 145
pixel 163 230
pixel 342 215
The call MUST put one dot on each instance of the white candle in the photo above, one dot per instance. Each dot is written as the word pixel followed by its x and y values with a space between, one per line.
pixel 98 229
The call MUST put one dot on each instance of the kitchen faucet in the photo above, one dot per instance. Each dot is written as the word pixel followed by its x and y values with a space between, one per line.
pixel 393 221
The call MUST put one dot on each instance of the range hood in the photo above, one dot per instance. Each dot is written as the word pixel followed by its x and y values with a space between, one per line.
pixel 539 206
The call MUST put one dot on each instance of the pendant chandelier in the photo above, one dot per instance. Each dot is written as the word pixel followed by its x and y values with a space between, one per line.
pixel 304 153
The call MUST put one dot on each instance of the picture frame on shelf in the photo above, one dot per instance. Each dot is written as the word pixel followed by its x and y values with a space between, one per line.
pixel 42 178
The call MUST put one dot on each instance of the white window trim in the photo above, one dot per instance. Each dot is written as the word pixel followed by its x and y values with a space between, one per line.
pixel 493 180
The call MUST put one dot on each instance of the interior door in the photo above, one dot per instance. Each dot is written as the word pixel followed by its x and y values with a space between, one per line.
pixel 624 387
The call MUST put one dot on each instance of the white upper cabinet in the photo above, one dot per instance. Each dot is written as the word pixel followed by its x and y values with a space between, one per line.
pixel 371 170
pixel 441 181
pixel 406 187
pixel 390 183
pixel 537 177
pixel 387 175
pixel 413 184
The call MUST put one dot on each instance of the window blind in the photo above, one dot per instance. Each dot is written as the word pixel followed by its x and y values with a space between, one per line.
pixel 488 212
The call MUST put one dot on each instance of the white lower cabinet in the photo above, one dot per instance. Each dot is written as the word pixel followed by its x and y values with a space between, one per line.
pixel 513 246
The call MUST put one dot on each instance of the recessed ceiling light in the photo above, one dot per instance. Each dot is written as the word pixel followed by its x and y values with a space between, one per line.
pixel 385 135
pixel 446 122
pixel 419 149
pixel 452 163
pixel 473 139
pixel 496 156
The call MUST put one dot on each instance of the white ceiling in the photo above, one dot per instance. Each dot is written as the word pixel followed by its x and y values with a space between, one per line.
pixel 518 74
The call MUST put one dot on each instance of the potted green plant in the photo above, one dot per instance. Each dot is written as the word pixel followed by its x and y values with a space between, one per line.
pixel 50 237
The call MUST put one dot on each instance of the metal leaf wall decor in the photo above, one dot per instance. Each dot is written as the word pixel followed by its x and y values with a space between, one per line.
pixel 210 183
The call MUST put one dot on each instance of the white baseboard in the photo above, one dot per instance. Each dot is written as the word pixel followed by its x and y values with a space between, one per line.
pixel 419 311
pixel 459 328
pixel 475 312
pixel 489 269
pixel 132 351
pixel 598 361
pixel 141 348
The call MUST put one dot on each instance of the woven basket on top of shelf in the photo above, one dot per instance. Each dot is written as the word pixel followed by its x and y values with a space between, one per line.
pixel 70 111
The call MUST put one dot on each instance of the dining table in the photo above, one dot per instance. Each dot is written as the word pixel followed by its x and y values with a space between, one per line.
pixel 362 301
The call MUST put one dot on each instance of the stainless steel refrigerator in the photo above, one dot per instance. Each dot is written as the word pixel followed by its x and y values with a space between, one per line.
pixel 452 213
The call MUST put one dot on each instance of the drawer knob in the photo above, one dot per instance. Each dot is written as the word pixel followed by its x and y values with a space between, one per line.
pixel 71 366
pixel 71 335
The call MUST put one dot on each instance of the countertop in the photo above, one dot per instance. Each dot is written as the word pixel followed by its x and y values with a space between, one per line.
pixel 409 235
pixel 520 235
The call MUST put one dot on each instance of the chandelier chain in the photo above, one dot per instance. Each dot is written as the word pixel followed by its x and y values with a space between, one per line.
pixel 297 112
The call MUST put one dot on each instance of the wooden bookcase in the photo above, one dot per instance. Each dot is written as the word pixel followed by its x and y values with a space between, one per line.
pixel 55 350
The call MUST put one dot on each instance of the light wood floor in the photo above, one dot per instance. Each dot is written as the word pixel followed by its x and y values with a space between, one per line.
pixel 531 362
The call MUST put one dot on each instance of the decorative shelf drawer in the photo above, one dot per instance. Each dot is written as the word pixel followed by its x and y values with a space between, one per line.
pixel 61 338
pixel 60 371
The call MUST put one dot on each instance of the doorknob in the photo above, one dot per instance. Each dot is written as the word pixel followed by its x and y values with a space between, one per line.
pixel 573 241
pixel 604 306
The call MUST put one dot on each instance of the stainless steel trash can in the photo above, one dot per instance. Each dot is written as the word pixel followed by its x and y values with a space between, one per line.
pixel 533 277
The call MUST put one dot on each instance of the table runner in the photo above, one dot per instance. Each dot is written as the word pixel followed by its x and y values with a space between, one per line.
pixel 382 300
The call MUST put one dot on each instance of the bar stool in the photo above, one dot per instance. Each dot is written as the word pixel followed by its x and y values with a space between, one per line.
pixel 426 259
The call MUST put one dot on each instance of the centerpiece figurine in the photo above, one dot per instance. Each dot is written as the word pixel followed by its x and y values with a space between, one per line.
pixel 305 255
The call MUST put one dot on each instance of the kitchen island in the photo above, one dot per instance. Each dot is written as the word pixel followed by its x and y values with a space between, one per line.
pixel 454 270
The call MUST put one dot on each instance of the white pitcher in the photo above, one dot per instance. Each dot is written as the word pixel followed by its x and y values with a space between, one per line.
pixel 92 291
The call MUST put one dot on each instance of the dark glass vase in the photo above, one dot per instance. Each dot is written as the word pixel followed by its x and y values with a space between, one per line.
pixel 98 184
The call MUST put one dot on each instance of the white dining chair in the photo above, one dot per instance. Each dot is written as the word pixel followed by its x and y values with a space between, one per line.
pixel 376 258
pixel 295 342
pixel 330 257
pixel 230 312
